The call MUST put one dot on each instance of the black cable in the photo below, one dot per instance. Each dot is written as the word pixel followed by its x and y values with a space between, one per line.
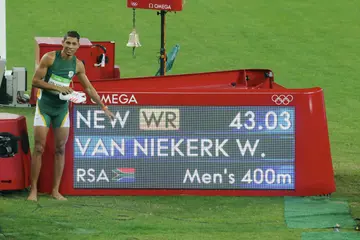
pixel 134 27
pixel 134 16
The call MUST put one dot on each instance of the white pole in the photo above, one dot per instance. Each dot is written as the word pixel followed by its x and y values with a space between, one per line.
pixel 2 29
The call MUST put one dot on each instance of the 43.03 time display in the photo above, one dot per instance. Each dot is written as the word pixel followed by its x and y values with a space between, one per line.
pixel 270 120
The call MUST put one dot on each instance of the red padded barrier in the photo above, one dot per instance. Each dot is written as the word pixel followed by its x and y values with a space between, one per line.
pixel 15 171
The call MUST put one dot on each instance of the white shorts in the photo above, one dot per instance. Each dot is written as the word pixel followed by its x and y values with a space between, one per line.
pixel 45 120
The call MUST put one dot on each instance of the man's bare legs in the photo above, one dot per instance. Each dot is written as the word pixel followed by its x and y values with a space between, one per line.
pixel 40 135
pixel 61 136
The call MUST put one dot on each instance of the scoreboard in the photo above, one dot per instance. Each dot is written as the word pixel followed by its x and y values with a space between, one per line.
pixel 228 142
pixel 168 5
pixel 184 147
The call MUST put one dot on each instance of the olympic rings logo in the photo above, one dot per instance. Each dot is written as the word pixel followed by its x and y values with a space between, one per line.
pixel 134 4
pixel 282 99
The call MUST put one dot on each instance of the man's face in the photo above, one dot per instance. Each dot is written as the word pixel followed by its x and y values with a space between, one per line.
pixel 70 45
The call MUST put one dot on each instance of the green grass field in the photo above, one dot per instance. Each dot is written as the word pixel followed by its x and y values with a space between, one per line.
pixel 306 43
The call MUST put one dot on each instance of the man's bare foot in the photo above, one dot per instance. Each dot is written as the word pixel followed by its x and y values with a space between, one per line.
pixel 33 195
pixel 58 196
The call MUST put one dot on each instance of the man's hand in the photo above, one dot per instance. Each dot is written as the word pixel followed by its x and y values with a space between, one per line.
pixel 109 114
pixel 64 90
pixel 89 89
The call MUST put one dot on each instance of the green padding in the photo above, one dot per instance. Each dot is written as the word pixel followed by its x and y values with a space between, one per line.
pixel 317 212
pixel 330 236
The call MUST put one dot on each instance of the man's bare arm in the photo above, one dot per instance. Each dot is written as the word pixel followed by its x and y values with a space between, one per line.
pixel 90 90
pixel 85 83
pixel 40 72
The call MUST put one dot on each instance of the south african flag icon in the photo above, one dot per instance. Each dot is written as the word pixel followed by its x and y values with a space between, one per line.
pixel 124 175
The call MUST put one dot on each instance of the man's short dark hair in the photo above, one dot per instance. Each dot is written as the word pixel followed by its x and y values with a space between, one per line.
pixel 73 34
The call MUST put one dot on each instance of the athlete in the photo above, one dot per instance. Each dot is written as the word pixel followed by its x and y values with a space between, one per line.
pixel 52 77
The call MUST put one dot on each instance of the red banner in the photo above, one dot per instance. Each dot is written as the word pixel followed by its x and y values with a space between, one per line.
pixel 168 5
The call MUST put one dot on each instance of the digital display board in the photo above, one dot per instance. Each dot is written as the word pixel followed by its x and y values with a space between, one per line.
pixel 168 5
pixel 184 147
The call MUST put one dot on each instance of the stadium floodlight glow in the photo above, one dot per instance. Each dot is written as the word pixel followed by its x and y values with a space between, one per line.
pixel 2 29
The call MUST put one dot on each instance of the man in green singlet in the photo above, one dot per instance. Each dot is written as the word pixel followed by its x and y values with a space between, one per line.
pixel 52 77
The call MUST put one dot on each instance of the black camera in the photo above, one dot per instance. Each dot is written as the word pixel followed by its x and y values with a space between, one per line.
pixel 8 145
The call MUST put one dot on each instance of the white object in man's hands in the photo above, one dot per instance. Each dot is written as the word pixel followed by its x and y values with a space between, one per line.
pixel 75 97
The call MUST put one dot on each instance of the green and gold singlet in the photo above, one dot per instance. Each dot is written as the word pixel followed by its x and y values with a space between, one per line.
pixel 50 109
